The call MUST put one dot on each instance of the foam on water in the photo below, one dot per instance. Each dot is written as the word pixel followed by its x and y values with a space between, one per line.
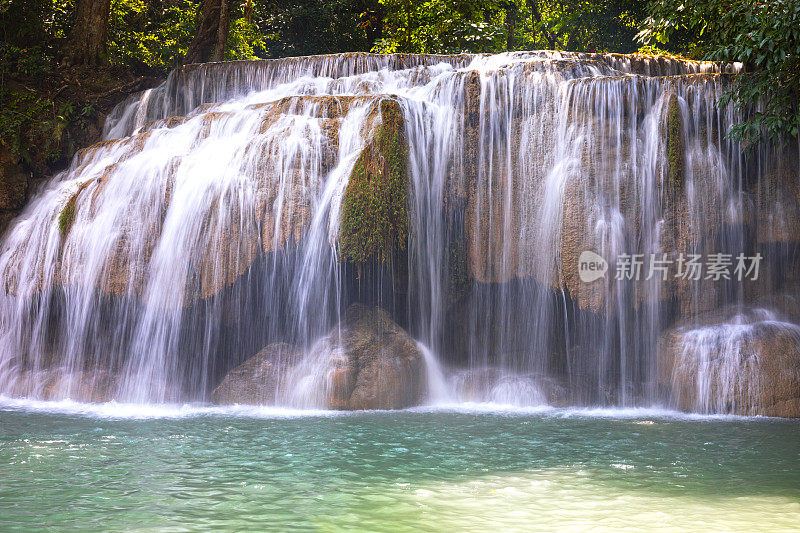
pixel 114 410
pixel 123 411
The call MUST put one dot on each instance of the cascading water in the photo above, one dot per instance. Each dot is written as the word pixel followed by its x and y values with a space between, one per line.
pixel 207 226
pixel 719 367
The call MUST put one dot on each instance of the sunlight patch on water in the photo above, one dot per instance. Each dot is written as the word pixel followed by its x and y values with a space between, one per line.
pixel 579 499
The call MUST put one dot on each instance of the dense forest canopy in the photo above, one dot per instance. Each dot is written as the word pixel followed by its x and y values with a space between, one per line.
pixel 40 40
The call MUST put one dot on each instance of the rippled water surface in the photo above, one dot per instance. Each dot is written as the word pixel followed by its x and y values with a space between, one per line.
pixel 68 466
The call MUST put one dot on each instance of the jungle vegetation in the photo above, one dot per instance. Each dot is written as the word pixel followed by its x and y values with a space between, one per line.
pixel 47 45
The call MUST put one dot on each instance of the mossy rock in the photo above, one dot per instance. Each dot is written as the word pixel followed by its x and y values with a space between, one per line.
pixel 67 216
pixel 675 147
pixel 375 207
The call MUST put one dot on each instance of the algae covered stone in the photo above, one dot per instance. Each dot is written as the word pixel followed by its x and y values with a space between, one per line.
pixel 375 207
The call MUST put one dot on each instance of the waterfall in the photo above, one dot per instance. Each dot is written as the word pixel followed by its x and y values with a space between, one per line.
pixel 438 388
pixel 207 225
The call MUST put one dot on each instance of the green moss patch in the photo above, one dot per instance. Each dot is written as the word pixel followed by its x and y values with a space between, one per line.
pixel 675 148
pixel 375 207
pixel 67 216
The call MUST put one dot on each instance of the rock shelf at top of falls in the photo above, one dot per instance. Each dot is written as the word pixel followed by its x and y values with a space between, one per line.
pixel 244 206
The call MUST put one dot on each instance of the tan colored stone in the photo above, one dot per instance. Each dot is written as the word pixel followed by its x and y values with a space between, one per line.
pixel 256 381
pixel 94 386
pixel 380 367
pixel 384 368
pixel 765 382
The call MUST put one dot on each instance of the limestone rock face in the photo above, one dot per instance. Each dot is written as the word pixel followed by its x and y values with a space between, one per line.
pixel 382 367
pixel 280 187
pixel 374 219
pixel 778 204
pixel 733 368
pixel 256 381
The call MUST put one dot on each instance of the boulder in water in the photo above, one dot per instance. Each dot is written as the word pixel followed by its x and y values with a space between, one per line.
pixel 368 362
pixel 382 367
pixel 495 385
pixel 256 381
pixel 734 367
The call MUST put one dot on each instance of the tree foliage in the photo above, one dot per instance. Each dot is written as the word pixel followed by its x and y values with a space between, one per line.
pixel 498 25
pixel 309 27
pixel 155 35
pixel 577 25
pixel 442 26
pixel 142 34
pixel 31 34
pixel 764 36
pixel 150 34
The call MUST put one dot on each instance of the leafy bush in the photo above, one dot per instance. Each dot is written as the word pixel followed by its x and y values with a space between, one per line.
pixel 30 121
